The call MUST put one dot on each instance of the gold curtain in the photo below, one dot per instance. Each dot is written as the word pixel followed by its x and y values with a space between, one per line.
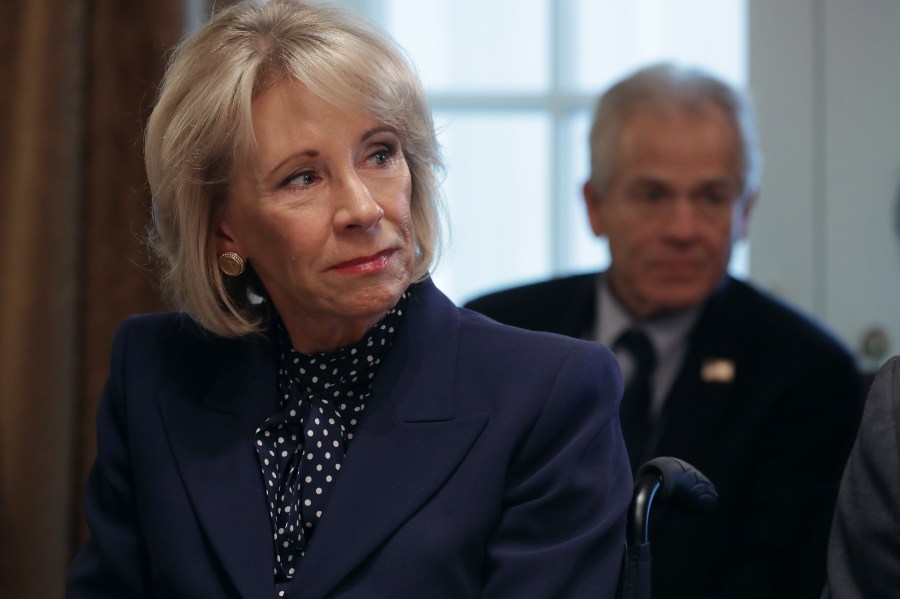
pixel 78 79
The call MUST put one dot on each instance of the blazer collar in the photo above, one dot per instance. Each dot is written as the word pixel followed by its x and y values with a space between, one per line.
pixel 212 438
pixel 410 437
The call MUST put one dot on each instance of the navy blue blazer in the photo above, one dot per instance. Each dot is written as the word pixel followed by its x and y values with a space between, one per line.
pixel 489 463
pixel 772 430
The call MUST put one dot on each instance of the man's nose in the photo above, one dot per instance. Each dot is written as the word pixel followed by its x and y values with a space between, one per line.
pixel 683 219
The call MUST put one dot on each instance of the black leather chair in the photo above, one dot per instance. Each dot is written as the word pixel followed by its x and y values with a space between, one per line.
pixel 660 480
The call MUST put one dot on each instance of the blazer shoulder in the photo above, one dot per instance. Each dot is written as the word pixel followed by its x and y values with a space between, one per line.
pixel 525 348
pixel 563 305
pixel 760 318
pixel 174 329
pixel 887 386
pixel 173 347
pixel 550 291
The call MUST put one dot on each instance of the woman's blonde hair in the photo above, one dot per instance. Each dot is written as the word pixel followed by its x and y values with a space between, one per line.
pixel 202 125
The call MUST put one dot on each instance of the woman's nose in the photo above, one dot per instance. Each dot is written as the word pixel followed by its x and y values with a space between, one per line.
pixel 357 208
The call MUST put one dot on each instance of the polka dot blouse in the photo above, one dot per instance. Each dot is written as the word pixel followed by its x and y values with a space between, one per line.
pixel 300 448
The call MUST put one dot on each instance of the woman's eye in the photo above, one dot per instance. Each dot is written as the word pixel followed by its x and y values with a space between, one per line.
pixel 303 179
pixel 382 155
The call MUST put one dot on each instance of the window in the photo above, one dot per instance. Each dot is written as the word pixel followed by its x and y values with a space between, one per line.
pixel 512 84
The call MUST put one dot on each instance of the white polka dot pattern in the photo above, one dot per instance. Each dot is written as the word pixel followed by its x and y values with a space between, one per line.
pixel 300 449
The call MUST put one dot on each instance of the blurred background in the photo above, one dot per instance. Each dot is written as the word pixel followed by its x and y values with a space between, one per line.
pixel 512 84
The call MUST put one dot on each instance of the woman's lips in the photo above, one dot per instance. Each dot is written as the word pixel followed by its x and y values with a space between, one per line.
pixel 365 264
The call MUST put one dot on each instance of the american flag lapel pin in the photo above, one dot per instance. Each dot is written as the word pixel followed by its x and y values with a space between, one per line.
pixel 717 370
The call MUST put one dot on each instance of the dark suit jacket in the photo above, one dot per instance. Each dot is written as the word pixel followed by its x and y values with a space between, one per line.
pixel 489 463
pixel 864 548
pixel 773 441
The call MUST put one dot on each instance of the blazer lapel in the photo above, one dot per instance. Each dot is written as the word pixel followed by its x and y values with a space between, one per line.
pixel 408 444
pixel 700 397
pixel 692 412
pixel 213 443
pixel 388 475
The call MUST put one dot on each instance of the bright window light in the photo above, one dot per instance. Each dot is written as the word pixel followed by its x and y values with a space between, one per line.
pixel 512 84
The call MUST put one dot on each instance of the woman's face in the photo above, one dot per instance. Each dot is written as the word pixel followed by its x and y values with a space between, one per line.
pixel 322 212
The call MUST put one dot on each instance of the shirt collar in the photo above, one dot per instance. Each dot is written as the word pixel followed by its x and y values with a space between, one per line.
pixel 666 331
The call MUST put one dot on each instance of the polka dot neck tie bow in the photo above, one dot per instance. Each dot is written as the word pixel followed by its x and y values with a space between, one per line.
pixel 301 448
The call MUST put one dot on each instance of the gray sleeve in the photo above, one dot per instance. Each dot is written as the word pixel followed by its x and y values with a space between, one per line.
pixel 864 546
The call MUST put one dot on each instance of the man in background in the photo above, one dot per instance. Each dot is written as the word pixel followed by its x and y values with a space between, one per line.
pixel 758 397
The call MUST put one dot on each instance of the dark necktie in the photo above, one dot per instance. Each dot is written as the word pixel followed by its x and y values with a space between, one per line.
pixel 635 410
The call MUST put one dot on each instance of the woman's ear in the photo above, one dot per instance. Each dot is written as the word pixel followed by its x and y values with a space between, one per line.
pixel 592 205
pixel 224 238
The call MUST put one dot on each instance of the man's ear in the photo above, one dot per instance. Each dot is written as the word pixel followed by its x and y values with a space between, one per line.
pixel 592 205
pixel 746 210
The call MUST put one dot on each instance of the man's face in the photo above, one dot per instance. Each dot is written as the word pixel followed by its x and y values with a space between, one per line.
pixel 672 208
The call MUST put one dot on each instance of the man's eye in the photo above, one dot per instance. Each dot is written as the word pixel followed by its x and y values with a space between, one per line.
pixel 714 199
pixel 649 196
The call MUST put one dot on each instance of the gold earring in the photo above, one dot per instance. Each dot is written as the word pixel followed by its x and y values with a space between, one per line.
pixel 231 264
